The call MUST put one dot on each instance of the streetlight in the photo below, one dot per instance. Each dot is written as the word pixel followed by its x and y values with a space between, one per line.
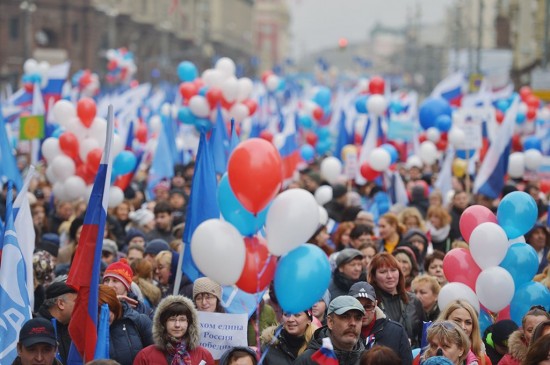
pixel 29 7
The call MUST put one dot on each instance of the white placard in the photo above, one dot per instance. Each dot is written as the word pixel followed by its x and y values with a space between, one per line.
pixel 469 120
pixel 351 165
pixel 222 331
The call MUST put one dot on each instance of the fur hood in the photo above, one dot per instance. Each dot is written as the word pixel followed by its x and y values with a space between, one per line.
pixel 159 331
pixel 516 345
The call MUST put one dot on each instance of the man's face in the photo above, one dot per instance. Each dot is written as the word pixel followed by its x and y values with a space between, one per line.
pixel 66 306
pixel 37 354
pixel 352 269
pixel 369 307
pixel 177 201
pixel 460 200
pixel 345 329
pixel 133 255
pixel 163 221
pixel 116 284
pixel 65 210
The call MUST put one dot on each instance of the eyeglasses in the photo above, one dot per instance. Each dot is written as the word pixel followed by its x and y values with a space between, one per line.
pixel 369 307
pixel 206 296
pixel 174 319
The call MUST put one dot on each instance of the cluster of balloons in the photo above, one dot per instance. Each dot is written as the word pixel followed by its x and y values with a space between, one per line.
pixel 230 252
pixel 380 159
pixel 371 100
pixel 35 73
pixel 86 82
pixel 495 274
pixel 74 151
pixel 121 66
pixel 529 106
pixel 217 86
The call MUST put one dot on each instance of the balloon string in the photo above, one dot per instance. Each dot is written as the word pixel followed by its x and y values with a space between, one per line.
pixel 268 347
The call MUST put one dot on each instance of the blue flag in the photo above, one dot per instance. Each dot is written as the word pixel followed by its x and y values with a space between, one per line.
pixel 219 143
pixel 102 345
pixel 343 136
pixel 162 166
pixel 8 167
pixel 234 141
pixel 203 204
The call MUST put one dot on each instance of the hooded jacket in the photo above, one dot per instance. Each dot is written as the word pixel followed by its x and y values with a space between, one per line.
pixel 517 349
pixel 391 334
pixel 157 354
pixel 340 283
pixel 344 357
pixel 279 352
pixel 224 360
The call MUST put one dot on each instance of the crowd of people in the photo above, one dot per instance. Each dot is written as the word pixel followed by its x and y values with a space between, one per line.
pixel 387 274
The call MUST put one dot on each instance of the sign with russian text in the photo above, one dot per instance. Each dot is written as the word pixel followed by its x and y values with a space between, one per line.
pixel 222 331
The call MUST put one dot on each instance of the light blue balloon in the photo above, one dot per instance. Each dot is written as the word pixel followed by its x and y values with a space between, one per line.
pixel 57 132
pixel 124 163
pixel 305 121
pixel 323 146
pixel 301 278
pixel 396 107
pixel 203 124
pixel 503 104
pixel 522 262
pixel 361 104
pixel 307 152
pixel 323 134
pixel 233 211
pixel 520 118
pixel 485 320
pixel 532 142
pixel 323 96
pixel 186 116
pixel 444 123
pixel 526 296
pixel 517 213
pixel 463 154
pixel 187 71
pixel 392 151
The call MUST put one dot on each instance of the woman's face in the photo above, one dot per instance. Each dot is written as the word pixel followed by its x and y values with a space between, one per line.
pixel 411 222
pixel 38 215
pixel 296 324
pixel 162 272
pixel 450 350
pixel 361 240
pixel 176 326
pixel 435 221
pixel 404 263
pixel 436 270
pixel 387 279
pixel 464 320
pixel 122 212
pixel 344 239
pixel 385 229
pixel 319 309
pixel 368 253
pixel 206 302
pixel 531 323
pixel 322 238
pixel 424 293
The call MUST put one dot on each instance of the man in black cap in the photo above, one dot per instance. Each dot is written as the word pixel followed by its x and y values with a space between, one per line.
pixel 335 207
pixel 495 339
pixel 58 308
pixel 376 329
pixel 348 271
pixel 37 343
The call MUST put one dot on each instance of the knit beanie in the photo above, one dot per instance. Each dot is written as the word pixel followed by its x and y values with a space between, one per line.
pixel 121 271
pixel 207 285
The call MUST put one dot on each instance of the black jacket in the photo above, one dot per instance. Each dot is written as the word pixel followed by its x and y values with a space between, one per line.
pixel 129 335
pixel 280 351
pixel 62 332
pixel 409 315
pixel 340 284
pixel 344 357
pixel 391 334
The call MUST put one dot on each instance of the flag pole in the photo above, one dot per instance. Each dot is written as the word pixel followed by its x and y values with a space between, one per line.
pixel 179 272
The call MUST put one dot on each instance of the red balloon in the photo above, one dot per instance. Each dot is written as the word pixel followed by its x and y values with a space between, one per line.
pixel 259 266
pixel 524 92
pixel 86 111
pixel 226 104
pixel 198 83
pixel 499 116
pixel 93 160
pixel 251 105
pixel 188 90
pixel 68 143
pixel 111 65
pixel 342 43
pixel 532 101
pixel 422 137
pixel 545 186
pixel 141 133
pixel 368 172
pixel 531 113
pixel 311 138
pixel 83 170
pixel 214 96
pixel 504 313
pixel 255 173
pixel 459 266
pixel 265 75
pixel 472 217
pixel 267 135
pixel 517 146
pixel 317 113
pixel 377 85
pixel 442 145
pixel 29 87
pixel 134 84
pixel 357 139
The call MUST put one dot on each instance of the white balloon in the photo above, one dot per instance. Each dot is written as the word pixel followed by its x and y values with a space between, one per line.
pixel 116 196
pixel 544 114
pixel 323 194
pixel 379 159
pixel 50 149
pixel 516 165
pixel 272 82
pixel 428 152
pixel 455 291
pixel 30 66
pixel 63 167
pixel 213 78
pixel 75 188
pixel 520 239
pixel 291 220
pixel 533 159
pixel 331 168
pixel 238 112
pixel 165 109
pixel 155 123
pixel 214 114
pixel 522 108
pixel 174 109
pixel 86 146
pixel 226 65
pixel 495 288
pixel 43 68
pixel 75 126
pixel 456 136
pixel 50 175
pixel 279 140
pixel 118 144
pixel 98 130
pixel 323 216
pixel 63 111
pixel 199 106
pixel 376 104
pixel 58 191
pixel 230 89
pixel 363 84
pixel 488 244
pixel 245 88
pixel 219 251
pixel 414 161
pixel 433 134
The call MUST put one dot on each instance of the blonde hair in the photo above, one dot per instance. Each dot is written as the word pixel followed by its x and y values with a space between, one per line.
pixel 446 332
pixel 164 257
pixel 441 213
pixel 392 220
pixel 427 279
pixel 414 213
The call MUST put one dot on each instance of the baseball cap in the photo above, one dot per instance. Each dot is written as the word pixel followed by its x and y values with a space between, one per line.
pixel 347 255
pixel 57 289
pixel 37 330
pixel 343 304
pixel 362 289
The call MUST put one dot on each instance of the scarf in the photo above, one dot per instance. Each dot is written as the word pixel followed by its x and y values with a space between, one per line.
pixel 177 350
pixel 439 234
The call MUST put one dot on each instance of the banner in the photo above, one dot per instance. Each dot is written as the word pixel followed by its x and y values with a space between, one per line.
pixel 222 331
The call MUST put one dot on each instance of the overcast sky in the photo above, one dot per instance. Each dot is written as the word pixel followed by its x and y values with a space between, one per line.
pixel 317 24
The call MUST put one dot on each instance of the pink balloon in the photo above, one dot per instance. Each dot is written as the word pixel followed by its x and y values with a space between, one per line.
pixel 459 266
pixel 472 217
pixel 504 314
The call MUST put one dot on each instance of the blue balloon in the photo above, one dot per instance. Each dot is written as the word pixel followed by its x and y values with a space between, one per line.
pixel 186 116
pixel 307 152
pixel 522 262
pixel 323 146
pixel 532 142
pixel 305 121
pixel 465 154
pixel 444 123
pixel 323 96
pixel 396 107
pixel 203 90
pixel 203 124
pixel 361 104
pixel 301 278
pixel 485 320
pixel 124 163
pixel 517 213
pixel 57 132
pixel 392 151
pixel 526 296
pixel 503 104
pixel 187 71
pixel 233 211
pixel 520 118
pixel 323 134
pixel 430 109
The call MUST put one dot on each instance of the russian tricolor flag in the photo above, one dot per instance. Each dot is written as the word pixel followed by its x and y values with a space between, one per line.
pixel 325 355
pixel 289 151
pixel 451 88
pixel 85 269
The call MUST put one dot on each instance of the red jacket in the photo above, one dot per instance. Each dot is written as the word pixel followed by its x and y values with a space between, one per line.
pixel 151 355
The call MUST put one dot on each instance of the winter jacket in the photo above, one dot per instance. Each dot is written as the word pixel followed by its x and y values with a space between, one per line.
pixel 278 351
pixel 409 315
pixel 129 335
pixel 224 360
pixel 61 331
pixel 517 349
pixel 344 357
pixel 340 284
pixel 157 354
pixel 391 334
pixel 17 361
